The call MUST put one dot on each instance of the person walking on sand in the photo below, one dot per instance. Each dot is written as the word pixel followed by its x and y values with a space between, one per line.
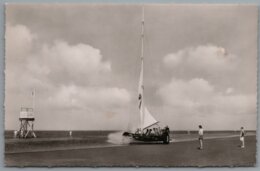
pixel 242 137
pixel 200 137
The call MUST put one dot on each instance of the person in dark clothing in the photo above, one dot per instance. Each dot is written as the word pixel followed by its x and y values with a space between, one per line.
pixel 242 137
pixel 200 137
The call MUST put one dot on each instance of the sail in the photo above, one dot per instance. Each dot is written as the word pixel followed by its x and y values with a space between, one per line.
pixel 146 119
pixel 140 94
pixel 141 87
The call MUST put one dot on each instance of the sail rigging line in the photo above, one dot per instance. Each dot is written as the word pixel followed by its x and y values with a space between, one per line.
pixel 151 125
pixel 133 74
pixel 141 83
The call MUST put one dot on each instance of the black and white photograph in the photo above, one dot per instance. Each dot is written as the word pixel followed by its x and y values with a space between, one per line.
pixel 130 85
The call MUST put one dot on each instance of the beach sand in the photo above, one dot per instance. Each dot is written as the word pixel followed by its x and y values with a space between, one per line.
pixel 216 152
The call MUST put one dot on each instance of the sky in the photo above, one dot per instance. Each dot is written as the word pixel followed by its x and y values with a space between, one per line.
pixel 83 60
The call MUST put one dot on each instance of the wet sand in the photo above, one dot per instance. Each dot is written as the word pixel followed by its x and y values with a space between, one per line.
pixel 216 152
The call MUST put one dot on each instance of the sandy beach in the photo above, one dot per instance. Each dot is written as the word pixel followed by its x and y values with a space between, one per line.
pixel 216 152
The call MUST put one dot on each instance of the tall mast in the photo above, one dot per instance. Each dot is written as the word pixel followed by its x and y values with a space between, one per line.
pixel 141 84
pixel 146 118
pixel 142 36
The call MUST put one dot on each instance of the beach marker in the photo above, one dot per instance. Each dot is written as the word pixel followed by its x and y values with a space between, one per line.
pixel 15 133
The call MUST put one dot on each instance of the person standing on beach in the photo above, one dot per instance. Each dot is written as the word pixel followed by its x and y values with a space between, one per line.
pixel 200 137
pixel 242 137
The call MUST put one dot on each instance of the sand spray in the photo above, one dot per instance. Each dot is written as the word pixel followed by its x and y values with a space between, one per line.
pixel 118 138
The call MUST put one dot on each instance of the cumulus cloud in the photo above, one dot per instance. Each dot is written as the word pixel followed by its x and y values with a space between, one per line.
pixel 78 60
pixel 206 58
pixel 198 96
pixel 67 77
pixel 89 97
pixel 57 62
pixel 229 90
pixel 61 63
pixel 205 89
pixel 186 93
pixel 19 41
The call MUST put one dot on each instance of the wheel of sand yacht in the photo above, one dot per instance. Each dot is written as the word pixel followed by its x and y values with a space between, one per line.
pixel 166 139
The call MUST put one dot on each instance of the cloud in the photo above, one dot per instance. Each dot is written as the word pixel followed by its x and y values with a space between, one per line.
pixel 89 97
pixel 199 97
pixel 186 93
pixel 53 63
pixel 229 90
pixel 213 92
pixel 19 41
pixel 205 89
pixel 57 62
pixel 71 81
pixel 204 58
pixel 65 64
pixel 174 59
pixel 76 59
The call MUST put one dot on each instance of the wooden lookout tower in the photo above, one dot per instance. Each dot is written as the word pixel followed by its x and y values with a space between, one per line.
pixel 27 121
